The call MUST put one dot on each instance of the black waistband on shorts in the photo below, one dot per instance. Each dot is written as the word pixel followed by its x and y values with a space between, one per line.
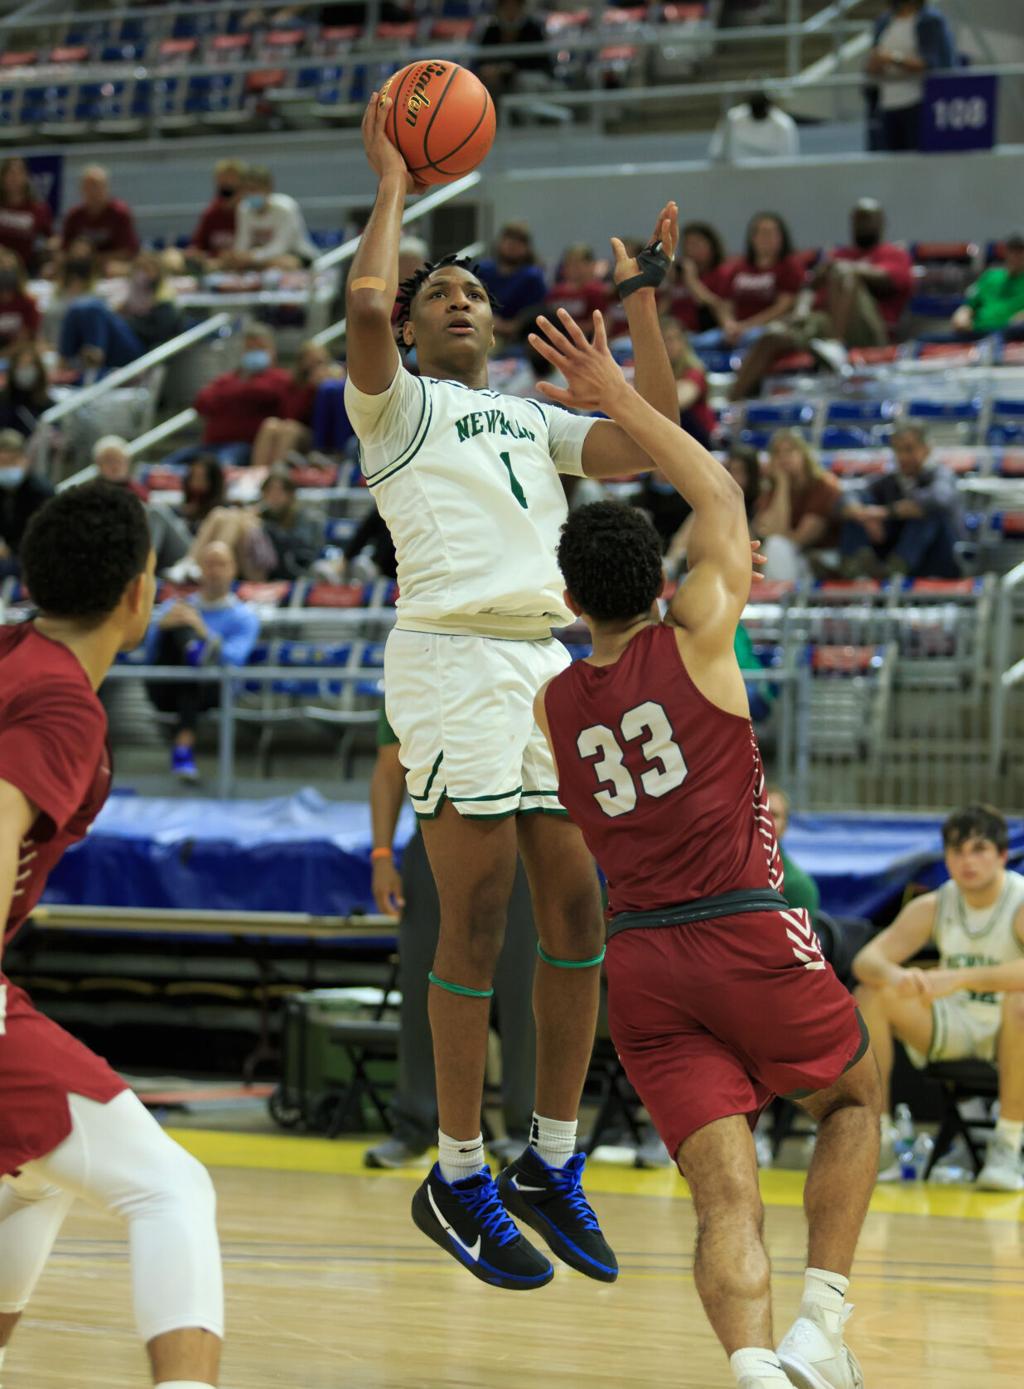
pixel 762 899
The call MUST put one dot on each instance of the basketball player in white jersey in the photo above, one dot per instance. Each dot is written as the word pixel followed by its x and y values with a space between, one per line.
pixel 467 481
pixel 972 1006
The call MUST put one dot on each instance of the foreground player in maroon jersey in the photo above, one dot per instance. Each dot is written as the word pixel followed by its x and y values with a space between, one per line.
pixel 719 996
pixel 68 1125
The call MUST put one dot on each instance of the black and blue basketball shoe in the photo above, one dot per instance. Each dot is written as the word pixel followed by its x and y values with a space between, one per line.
pixel 551 1201
pixel 468 1220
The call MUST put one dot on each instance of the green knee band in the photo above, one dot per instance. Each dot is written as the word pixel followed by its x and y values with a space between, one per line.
pixel 460 989
pixel 570 964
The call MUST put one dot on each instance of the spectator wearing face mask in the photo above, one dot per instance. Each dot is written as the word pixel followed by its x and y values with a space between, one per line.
pixel 271 230
pixel 104 222
pixel 148 307
pixel 22 493
pixel 19 315
pixel 756 129
pixel 92 337
pixel 214 235
pixel 26 395
pixel 234 405
pixel 26 222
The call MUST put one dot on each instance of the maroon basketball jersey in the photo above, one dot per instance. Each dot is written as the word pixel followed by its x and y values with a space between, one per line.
pixel 667 789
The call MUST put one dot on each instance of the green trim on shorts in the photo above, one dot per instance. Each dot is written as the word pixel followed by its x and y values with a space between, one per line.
pixel 540 793
pixel 498 796
pixel 431 814
pixel 430 780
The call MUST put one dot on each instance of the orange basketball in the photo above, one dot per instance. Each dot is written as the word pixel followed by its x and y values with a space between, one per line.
pixel 442 120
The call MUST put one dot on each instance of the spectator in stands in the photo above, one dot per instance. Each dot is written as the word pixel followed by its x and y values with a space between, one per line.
pixel 695 414
pixel 995 302
pixel 742 464
pixel 861 293
pixel 280 436
pixel 170 538
pixel 148 307
pixel 514 73
pixel 369 552
pixel 910 41
pixel 271 230
pixel 215 232
pixel 799 888
pixel 798 513
pixel 289 536
pixel 26 222
pixel 755 289
pixel 104 222
pixel 202 491
pixel 235 404
pixel 754 130
pixel 26 394
pixel 92 337
pixel 579 289
pixel 515 281
pixel 210 627
pixel 413 252
pixel 703 254
pixel 905 522
pixel 22 493
pixel 19 314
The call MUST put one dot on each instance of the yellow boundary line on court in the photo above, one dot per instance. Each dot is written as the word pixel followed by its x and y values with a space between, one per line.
pixel 344 1158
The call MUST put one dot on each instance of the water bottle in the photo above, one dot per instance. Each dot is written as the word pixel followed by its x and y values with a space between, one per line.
pixel 904 1145
pixel 924 1146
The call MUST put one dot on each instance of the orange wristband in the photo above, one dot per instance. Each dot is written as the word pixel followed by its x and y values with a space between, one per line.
pixel 380 853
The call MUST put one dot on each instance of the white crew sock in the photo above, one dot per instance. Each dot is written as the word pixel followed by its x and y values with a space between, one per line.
pixel 825 1289
pixel 759 1364
pixel 553 1139
pixel 460 1158
pixel 1010 1131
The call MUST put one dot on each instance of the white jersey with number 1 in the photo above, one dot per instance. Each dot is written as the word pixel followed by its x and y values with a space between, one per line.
pixel 467 481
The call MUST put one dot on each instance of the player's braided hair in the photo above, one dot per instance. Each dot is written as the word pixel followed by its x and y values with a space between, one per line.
pixel 83 548
pixel 610 558
pixel 408 289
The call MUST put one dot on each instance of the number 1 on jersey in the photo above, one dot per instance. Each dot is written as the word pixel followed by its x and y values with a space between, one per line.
pixel 514 483
pixel 618 794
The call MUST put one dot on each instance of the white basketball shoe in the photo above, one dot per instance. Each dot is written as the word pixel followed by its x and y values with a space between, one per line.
pixel 813 1353
pixel 1002 1170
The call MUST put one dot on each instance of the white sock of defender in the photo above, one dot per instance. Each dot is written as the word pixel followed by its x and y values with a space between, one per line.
pixel 1010 1131
pixel 757 1363
pixel 460 1158
pixel 553 1139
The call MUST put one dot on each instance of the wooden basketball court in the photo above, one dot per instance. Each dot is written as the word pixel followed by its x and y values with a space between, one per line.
pixel 330 1286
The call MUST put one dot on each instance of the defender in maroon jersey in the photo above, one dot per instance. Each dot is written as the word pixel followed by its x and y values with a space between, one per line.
pixel 719 996
pixel 69 1126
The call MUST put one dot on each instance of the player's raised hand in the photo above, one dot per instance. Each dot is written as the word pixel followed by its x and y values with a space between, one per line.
pixel 384 158
pixel 666 232
pixel 593 376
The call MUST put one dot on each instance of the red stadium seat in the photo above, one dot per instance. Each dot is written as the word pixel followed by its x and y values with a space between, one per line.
pixel 951 586
pixel 163 480
pixel 335 596
pixel 171 49
pixel 453 30
pixel 314 477
pixel 1013 463
pixel 965 353
pixel 265 594
pixel 266 80
pixel 230 43
pixel 1013 523
pixel 70 56
pixel 874 356
pixel 682 14
pixel 771 590
pixel 843 660
pixel 925 251
pixel 284 38
pixel 24 59
pixel 795 361
pixel 843 588
pixel 404 32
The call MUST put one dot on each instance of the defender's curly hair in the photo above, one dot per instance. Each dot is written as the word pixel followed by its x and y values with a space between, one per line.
pixel 83 548
pixel 610 558
pixel 408 289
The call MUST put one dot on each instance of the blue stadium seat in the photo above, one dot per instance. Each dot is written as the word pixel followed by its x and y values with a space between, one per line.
pixel 332 656
pixel 838 437
pixel 1005 423
pixel 860 411
pixel 787 415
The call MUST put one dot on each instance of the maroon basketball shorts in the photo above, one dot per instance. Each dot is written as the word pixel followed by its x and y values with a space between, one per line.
pixel 40 1065
pixel 717 1017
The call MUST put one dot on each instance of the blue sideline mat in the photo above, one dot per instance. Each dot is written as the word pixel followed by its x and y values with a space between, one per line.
pixel 303 853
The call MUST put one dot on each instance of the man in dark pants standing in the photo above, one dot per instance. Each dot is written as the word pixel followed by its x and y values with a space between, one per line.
pixel 412 896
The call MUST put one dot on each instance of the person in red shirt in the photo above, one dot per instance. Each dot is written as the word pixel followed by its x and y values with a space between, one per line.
pixel 26 223
pixel 69 1126
pixel 280 436
pixel 702 259
pixel 19 314
pixel 215 232
pixel 719 996
pixel 755 289
pixel 104 222
pixel 235 405
pixel 578 288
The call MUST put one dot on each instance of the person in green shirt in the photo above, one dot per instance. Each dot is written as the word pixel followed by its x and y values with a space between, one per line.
pixel 798 887
pixel 996 300
pixel 412 896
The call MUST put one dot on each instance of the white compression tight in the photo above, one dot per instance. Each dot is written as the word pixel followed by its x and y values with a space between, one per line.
pixel 118 1159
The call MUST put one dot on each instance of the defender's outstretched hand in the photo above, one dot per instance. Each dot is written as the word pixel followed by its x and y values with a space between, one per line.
pixel 384 158
pixel 666 231
pixel 595 381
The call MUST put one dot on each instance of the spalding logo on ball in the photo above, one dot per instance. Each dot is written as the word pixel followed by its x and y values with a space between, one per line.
pixel 441 121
